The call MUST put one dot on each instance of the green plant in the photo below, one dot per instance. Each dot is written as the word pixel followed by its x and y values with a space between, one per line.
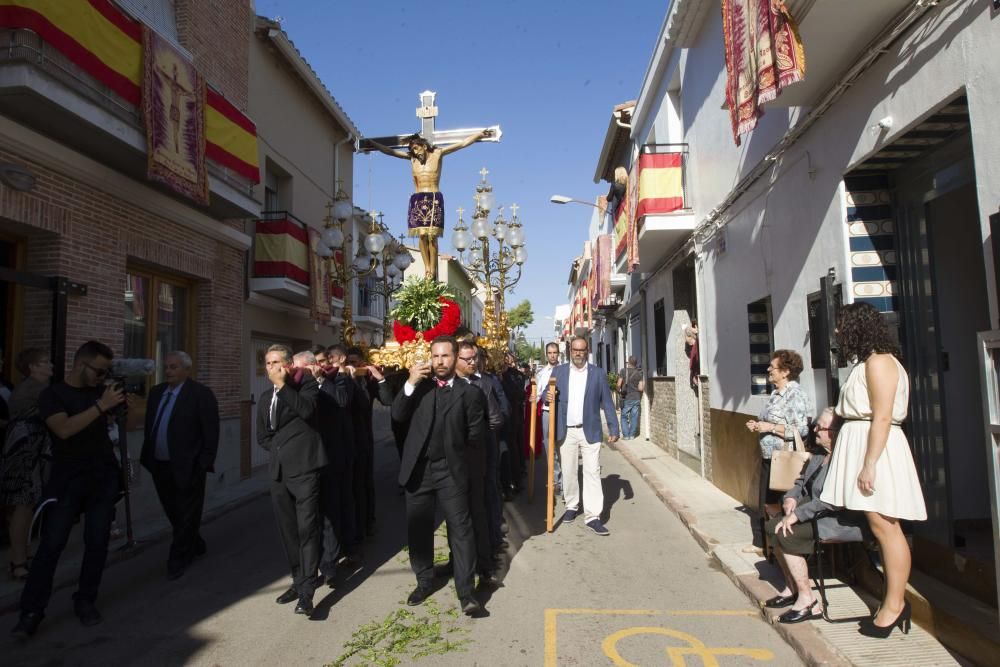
pixel 404 634
pixel 418 302
pixel 613 382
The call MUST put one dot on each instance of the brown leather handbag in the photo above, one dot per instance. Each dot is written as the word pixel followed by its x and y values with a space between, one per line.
pixel 787 464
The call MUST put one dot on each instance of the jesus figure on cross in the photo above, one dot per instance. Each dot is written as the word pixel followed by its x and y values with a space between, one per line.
pixel 425 216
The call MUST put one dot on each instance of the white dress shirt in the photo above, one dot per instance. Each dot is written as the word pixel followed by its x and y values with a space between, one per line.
pixel 574 398
pixel 408 388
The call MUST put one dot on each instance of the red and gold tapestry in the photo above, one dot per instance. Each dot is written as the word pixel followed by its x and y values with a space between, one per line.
pixel 632 233
pixel 319 281
pixel 763 55
pixel 107 44
pixel 173 109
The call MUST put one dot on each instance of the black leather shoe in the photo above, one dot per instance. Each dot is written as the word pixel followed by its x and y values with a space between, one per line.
pixel 175 571
pixel 288 596
pixel 27 624
pixel 798 615
pixel 489 580
pixel 200 548
pixel 419 594
pixel 86 612
pixel 305 605
pixel 780 601
pixel 471 606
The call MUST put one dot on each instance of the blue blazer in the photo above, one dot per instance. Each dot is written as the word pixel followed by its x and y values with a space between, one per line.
pixel 596 397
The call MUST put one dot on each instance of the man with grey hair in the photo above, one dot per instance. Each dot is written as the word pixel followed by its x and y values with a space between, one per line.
pixel 286 427
pixel 181 438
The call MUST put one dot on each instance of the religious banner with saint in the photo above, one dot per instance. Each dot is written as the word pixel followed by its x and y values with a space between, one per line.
pixel 319 281
pixel 173 106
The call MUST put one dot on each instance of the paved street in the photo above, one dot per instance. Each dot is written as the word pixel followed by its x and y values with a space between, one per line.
pixel 647 595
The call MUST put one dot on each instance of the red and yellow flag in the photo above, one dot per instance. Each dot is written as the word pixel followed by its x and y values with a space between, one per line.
pixel 106 43
pixel 281 250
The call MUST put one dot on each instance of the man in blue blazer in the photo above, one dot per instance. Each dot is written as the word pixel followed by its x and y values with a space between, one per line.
pixel 581 393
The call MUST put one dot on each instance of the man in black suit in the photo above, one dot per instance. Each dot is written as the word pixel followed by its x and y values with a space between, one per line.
pixel 180 441
pixel 286 428
pixel 333 419
pixel 445 417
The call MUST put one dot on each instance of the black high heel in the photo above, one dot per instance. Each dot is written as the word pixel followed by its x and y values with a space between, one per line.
pixel 869 629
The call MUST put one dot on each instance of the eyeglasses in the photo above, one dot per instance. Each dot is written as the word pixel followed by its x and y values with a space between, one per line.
pixel 99 372
pixel 578 349
pixel 468 360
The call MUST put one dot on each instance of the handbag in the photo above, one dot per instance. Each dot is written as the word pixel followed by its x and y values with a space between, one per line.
pixel 787 464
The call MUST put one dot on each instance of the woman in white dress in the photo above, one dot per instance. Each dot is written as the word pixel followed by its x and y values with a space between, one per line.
pixel 872 468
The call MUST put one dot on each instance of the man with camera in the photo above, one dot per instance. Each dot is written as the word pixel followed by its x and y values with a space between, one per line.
pixel 286 428
pixel 85 479
pixel 181 438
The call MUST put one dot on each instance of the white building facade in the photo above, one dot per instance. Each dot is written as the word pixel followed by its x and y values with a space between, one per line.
pixel 868 181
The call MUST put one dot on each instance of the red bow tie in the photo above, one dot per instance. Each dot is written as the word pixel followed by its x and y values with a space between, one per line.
pixel 441 383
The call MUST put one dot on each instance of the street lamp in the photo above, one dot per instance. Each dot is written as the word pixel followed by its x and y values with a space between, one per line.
pixel 499 270
pixel 562 199
pixel 377 251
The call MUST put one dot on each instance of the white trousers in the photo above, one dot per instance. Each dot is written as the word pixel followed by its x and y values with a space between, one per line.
pixel 571 450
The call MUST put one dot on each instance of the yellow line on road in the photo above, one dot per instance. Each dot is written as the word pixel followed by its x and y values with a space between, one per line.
pixel 552 615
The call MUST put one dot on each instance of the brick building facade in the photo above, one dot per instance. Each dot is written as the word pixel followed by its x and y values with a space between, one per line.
pixel 160 271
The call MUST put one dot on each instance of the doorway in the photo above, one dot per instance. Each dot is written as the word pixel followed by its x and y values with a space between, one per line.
pixel 943 300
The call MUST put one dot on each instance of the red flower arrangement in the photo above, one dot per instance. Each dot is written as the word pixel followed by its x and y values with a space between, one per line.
pixel 451 319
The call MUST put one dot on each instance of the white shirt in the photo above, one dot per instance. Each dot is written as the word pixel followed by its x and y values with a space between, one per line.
pixel 574 398
pixel 542 382
pixel 408 388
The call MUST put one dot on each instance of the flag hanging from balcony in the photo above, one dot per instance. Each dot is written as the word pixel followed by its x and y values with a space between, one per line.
pixel 763 55
pixel 173 108
pixel 281 250
pixel 319 281
pixel 661 183
pixel 107 44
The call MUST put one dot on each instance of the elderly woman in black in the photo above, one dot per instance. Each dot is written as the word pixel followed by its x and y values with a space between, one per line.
pixel 793 529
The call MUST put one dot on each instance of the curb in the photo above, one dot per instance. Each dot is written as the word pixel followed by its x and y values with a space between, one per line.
pixel 10 601
pixel 810 646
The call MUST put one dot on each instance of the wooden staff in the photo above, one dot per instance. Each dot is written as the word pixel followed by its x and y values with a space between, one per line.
pixel 531 440
pixel 550 488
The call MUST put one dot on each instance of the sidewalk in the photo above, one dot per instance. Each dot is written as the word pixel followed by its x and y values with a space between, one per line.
pixel 149 532
pixel 722 528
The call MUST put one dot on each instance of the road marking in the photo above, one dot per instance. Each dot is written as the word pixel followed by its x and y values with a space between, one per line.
pixel 675 653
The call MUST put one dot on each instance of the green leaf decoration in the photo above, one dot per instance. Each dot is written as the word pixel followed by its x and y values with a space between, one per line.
pixel 418 302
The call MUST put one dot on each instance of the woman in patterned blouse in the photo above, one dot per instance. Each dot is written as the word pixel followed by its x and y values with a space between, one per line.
pixel 788 409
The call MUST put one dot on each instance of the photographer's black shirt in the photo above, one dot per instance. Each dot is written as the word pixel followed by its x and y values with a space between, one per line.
pixel 90 444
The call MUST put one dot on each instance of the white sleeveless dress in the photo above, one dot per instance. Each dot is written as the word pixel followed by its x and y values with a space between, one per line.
pixel 897 487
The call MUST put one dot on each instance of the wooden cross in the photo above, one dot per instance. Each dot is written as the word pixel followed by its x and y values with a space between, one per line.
pixel 427 113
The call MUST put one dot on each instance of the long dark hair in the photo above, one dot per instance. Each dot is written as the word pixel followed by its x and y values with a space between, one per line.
pixel 862 331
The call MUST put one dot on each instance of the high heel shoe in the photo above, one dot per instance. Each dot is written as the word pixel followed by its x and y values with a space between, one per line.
pixel 869 629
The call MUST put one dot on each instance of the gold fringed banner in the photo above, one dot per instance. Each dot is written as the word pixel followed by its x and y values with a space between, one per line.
pixel 173 106
pixel 319 281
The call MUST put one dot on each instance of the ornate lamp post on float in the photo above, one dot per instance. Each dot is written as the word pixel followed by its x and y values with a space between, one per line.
pixel 379 253
pixel 499 270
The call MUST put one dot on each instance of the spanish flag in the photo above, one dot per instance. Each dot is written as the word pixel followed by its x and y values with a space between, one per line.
pixel 661 183
pixel 281 250
pixel 106 43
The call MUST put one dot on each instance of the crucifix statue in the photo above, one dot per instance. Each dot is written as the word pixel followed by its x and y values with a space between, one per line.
pixel 424 150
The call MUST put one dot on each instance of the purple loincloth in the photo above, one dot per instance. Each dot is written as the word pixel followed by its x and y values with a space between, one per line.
pixel 426 214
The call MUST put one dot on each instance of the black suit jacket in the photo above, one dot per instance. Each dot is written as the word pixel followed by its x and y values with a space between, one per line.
pixel 193 429
pixel 461 424
pixel 333 418
pixel 294 442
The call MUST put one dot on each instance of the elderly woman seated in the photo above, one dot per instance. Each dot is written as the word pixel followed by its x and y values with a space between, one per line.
pixel 793 528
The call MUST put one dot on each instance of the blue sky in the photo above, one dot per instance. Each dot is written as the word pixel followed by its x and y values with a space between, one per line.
pixel 548 71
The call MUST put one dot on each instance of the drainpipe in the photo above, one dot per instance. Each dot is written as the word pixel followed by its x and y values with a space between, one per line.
pixel 336 158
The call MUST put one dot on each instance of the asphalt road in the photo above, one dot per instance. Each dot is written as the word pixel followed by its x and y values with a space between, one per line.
pixel 646 595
